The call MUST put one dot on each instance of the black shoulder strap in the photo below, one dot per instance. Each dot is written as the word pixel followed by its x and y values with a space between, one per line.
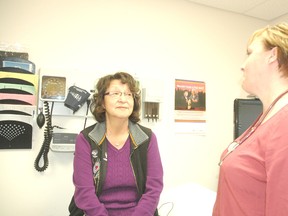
pixel 139 161
pixel 97 155
pixel 86 131
pixel 148 131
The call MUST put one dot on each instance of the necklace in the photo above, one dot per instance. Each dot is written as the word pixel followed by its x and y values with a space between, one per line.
pixel 251 129
pixel 115 144
pixel 112 141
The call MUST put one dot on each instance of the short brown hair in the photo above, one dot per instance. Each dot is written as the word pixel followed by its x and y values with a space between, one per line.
pixel 103 83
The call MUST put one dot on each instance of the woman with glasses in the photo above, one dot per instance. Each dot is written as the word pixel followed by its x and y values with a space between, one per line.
pixel 253 178
pixel 117 165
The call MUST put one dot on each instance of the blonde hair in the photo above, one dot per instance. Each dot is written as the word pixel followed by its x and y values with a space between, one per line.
pixel 275 36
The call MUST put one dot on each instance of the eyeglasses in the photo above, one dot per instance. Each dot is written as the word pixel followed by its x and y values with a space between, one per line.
pixel 118 94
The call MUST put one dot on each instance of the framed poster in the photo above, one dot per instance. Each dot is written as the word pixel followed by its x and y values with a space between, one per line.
pixel 190 101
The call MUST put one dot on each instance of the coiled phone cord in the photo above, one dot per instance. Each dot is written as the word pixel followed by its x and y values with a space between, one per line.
pixel 48 134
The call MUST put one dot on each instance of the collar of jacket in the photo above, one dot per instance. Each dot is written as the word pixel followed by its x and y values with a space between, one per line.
pixel 137 135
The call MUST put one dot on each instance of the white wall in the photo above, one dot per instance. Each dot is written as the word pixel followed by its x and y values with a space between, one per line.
pixel 159 39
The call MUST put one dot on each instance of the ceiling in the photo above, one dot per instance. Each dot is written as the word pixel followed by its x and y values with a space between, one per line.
pixel 262 9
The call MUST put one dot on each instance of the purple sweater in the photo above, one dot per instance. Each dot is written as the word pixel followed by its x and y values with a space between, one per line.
pixel 119 194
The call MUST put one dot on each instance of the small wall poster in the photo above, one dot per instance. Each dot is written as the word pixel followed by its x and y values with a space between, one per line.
pixel 190 101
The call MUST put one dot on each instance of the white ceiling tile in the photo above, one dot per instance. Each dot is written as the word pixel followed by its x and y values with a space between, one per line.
pixel 230 5
pixel 269 9
pixel 261 9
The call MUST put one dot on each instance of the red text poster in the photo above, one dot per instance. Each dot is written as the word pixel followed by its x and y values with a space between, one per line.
pixel 190 101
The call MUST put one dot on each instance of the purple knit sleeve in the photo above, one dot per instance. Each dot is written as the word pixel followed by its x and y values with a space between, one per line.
pixel 85 197
pixel 154 183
